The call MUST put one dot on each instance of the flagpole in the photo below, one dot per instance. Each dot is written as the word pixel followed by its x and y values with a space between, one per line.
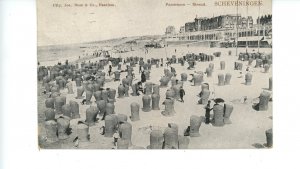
pixel 247 29
pixel 258 44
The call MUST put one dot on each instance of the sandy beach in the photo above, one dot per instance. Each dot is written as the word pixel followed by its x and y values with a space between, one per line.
pixel 248 125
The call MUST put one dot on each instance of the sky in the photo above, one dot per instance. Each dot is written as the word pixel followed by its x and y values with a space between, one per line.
pixel 66 25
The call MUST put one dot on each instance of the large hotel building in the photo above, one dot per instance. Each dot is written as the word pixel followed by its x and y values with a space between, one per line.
pixel 223 30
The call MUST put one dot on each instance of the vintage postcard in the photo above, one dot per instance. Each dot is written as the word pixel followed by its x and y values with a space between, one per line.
pixel 154 74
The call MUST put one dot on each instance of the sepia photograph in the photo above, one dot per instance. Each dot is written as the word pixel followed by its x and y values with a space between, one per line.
pixel 159 74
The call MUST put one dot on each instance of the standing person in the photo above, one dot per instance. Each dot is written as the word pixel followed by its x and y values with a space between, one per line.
pixel 187 131
pixel 127 65
pixel 182 93
pixel 102 130
pixel 143 77
pixel 139 87
pixel 116 136
pixel 182 62
pixel 207 113
pixel 140 68
pixel 109 71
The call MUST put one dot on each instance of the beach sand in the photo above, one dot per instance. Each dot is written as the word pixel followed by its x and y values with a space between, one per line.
pixel 248 126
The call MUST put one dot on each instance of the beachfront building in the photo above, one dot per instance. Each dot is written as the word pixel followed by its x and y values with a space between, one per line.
pixel 190 27
pixel 182 29
pixel 229 31
pixel 265 20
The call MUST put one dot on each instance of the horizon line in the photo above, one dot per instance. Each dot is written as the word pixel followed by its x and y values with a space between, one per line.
pixel 86 42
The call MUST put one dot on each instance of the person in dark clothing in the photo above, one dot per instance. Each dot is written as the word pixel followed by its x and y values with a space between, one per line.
pixel 102 130
pixel 139 88
pixel 83 101
pixel 173 70
pixel 103 117
pixel 109 71
pixel 182 93
pixel 143 77
pixel 168 63
pixel 182 62
pixel 207 113
pixel 187 131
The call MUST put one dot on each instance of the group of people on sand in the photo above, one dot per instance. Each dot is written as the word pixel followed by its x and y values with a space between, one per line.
pixel 207 116
pixel 116 134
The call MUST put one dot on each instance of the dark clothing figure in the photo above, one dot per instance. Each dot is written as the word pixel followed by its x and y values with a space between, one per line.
pixel 103 117
pixel 102 130
pixel 200 94
pixel 143 77
pixel 168 63
pixel 109 71
pixel 139 88
pixel 173 70
pixel 182 63
pixel 181 93
pixel 83 101
pixel 207 114
pixel 187 131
